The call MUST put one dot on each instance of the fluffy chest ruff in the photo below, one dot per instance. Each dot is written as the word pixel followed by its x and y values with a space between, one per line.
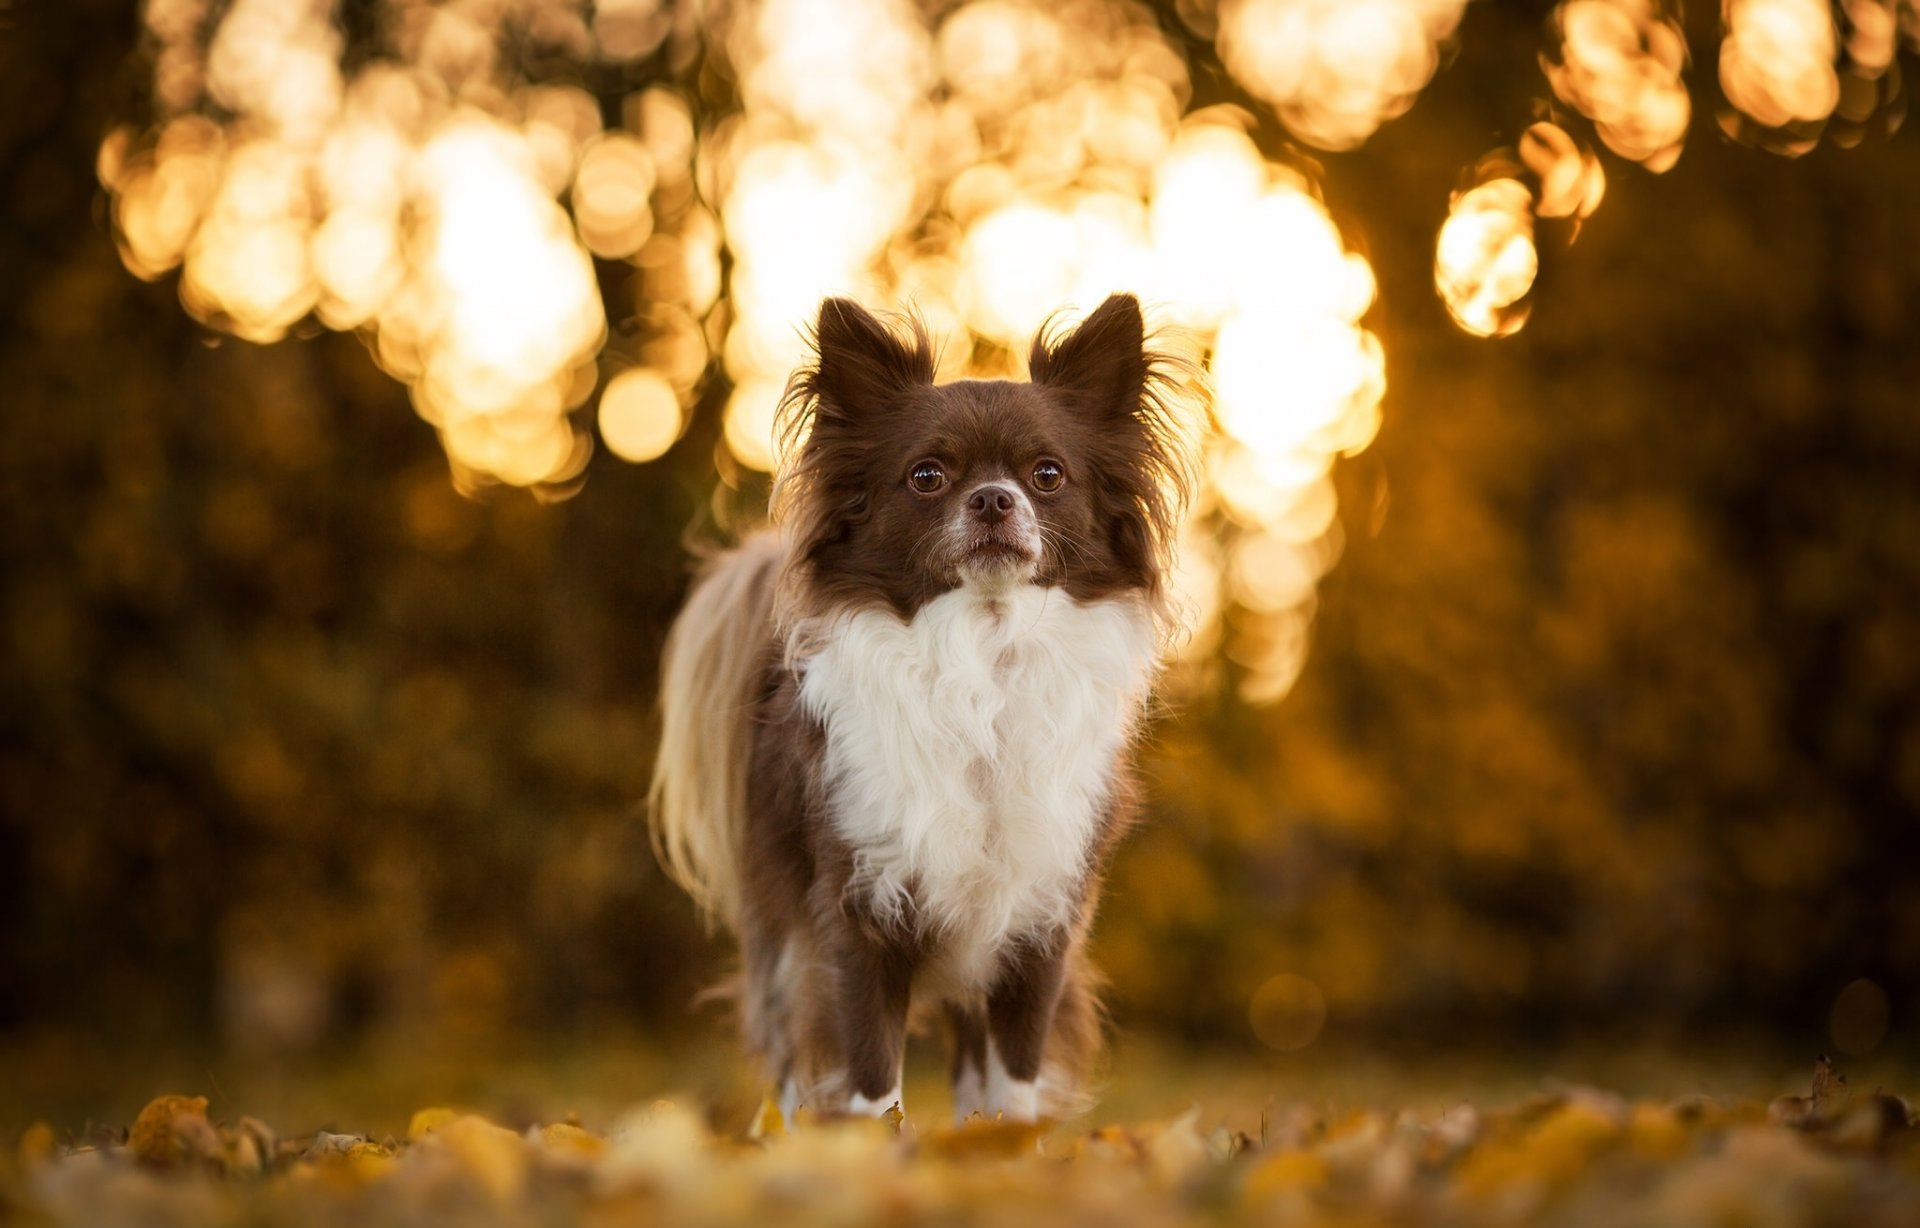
pixel 970 753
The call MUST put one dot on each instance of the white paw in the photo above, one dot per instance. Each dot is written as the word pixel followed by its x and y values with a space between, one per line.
pixel 860 1106
pixel 1019 1101
pixel 969 1094
pixel 1008 1098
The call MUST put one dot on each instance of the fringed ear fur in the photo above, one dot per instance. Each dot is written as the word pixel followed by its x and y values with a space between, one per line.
pixel 1132 394
pixel 1102 364
pixel 862 364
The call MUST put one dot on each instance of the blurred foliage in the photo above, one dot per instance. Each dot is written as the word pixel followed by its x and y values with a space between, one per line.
pixel 1611 713
pixel 1610 719
pixel 1577 1155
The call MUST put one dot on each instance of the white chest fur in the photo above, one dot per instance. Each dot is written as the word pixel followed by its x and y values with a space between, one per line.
pixel 970 754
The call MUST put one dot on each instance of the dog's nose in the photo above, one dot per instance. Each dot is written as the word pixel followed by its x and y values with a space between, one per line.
pixel 991 503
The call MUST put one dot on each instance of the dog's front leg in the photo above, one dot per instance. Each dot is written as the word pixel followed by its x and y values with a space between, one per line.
pixel 1020 1012
pixel 874 976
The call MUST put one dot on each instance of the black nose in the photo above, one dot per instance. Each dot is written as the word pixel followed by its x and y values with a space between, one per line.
pixel 991 503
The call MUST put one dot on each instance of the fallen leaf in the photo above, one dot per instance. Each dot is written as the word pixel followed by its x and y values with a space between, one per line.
pixel 174 1130
pixel 568 1139
pixel 250 1146
pixel 494 1156
pixel 1285 1173
pixel 1657 1132
pixel 978 1138
pixel 426 1121
pixel 769 1123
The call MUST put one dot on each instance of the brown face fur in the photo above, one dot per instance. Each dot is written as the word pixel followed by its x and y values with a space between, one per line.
pixel 1083 461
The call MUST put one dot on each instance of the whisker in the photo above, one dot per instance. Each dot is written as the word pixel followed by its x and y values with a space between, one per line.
pixel 924 544
pixel 1054 535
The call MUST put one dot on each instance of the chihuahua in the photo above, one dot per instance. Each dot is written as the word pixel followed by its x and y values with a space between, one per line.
pixel 897 727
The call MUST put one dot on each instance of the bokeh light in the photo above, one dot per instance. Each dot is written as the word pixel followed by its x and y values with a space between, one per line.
pixel 639 415
pixel 1486 261
pixel 1566 175
pixel 1777 61
pixel 1619 63
pixel 1287 1012
pixel 1335 70
pixel 610 195
pixel 984 166
pixel 1796 72
pixel 1488 252
pixel 417 199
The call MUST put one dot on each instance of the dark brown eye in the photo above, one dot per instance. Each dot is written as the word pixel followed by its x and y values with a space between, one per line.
pixel 927 477
pixel 1048 476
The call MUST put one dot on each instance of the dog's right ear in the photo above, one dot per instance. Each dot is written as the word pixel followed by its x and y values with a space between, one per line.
pixel 863 365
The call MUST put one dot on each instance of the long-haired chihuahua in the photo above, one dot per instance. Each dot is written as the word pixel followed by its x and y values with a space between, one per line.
pixel 897 728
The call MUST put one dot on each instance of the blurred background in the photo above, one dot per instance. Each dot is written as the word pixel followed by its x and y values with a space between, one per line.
pixel 370 366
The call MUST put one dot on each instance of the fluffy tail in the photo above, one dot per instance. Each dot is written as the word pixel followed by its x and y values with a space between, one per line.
pixel 709 675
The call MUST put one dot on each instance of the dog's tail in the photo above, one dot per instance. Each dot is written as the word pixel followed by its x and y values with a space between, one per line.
pixel 710 673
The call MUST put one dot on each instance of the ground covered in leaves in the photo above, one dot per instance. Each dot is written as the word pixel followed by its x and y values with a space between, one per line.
pixel 1574 1156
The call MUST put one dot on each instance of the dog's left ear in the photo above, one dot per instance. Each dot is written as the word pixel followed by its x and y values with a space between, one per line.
pixel 863 366
pixel 1102 364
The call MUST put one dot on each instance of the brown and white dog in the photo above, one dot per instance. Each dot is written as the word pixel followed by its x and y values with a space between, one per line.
pixel 897 730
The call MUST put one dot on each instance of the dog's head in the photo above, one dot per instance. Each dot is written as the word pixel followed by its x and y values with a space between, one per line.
pixel 895 490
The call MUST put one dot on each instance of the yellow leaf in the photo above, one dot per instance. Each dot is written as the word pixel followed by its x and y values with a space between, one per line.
pixel 426 1121
pixel 571 1139
pixel 1178 1151
pixel 368 1162
pixel 980 1139
pixel 1655 1131
pixel 494 1156
pixel 769 1122
pixel 1286 1172
pixel 1555 1151
pixel 659 1147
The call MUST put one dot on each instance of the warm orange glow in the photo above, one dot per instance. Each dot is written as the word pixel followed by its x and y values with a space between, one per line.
pixel 1571 183
pixel 1485 263
pixel 815 182
pixel 1777 61
pixel 1619 63
pixel 246 268
pixel 509 305
pixel 382 202
pixel 639 415
pixel 986 169
pixel 163 195
pixel 278 61
pixel 610 194
pixel 629 29
pixel 1335 70
pixel 749 421
pixel 1873 34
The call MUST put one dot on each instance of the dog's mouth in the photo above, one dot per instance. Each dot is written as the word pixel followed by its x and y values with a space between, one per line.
pixel 997 549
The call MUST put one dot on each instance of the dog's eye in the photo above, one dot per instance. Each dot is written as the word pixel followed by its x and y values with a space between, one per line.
pixel 1048 476
pixel 927 477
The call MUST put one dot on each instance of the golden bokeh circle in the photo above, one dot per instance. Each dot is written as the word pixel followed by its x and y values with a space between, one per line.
pixel 1288 1012
pixel 639 415
pixel 1858 1020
